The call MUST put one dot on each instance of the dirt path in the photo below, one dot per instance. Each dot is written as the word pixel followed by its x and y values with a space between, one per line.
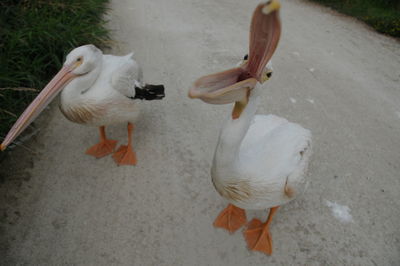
pixel 332 74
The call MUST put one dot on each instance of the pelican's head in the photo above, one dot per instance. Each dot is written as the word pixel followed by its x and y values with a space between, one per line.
pixel 79 62
pixel 233 85
pixel 83 59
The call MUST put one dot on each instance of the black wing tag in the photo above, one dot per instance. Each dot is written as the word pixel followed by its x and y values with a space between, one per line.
pixel 149 92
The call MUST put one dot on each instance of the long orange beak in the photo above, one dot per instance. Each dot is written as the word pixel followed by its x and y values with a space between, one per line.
pixel 39 103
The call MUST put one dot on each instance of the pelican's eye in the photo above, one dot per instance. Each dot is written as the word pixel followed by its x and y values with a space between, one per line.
pixel 79 59
pixel 78 62
pixel 266 76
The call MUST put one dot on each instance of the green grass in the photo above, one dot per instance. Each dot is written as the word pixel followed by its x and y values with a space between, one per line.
pixel 382 15
pixel 35 36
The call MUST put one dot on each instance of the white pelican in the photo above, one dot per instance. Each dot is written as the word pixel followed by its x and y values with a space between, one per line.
pixel 260 160
pixel 97 90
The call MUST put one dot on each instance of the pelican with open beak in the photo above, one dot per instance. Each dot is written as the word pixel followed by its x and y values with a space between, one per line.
pixel 260 160
pixel 233 84
pixel 96 90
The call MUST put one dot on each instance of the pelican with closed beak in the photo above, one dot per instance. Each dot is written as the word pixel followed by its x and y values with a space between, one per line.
pixel 96 90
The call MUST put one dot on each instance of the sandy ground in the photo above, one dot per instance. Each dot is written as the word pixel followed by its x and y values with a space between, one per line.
pixel 332 74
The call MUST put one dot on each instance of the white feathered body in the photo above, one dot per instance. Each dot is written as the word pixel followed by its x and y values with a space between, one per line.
pixel 102 97
pixel 260 160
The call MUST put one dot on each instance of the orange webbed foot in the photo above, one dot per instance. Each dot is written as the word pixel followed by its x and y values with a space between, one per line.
pixel 125 156
pixel 103 148
pixel 258 237
pixel 231 218
pixel 257 234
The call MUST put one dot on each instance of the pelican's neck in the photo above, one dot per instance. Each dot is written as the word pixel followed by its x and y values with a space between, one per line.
pixel 233 133
pixel 75 91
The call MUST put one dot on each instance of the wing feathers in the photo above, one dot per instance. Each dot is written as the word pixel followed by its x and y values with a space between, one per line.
pixel 128 76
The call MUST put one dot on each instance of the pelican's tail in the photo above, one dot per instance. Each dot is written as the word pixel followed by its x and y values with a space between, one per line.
pixel 149 92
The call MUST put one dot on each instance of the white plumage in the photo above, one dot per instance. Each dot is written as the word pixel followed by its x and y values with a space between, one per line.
pixel 262 157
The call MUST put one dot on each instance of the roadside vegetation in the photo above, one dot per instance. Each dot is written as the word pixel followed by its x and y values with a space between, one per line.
pixel 35 36
pixel 382 15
